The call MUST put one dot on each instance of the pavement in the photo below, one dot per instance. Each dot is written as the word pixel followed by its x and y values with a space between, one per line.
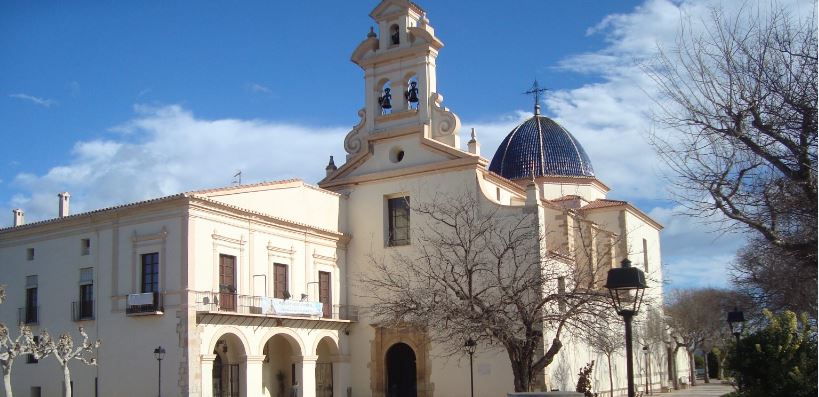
pixel 713 389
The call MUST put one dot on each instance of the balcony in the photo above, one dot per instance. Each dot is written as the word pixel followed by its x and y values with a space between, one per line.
pixel 264 306
pixel 82 310
pixel 144 304
pixel 28 315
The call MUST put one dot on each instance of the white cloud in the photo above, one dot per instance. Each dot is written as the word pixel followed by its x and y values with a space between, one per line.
pixel 258 88
pixel 167 150
pixel 47 103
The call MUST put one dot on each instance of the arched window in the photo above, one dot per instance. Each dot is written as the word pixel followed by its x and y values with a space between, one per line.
pixel 385 100
pixel 395 38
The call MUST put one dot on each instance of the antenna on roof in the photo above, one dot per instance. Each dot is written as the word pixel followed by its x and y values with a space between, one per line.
pixel 237 178
pixel 535 92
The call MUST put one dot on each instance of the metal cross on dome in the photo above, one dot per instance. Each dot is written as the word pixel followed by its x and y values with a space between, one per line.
pixel 535 92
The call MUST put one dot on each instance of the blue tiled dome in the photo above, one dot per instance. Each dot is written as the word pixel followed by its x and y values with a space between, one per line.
pixel 543 145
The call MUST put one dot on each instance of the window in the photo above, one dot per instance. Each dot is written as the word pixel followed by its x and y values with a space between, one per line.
pixel 645 254
pixel 36 391
pixel 150 272
pixel 30 358
pixel 398 212
pixel 85 307
pixel 561 290
pixel 85 246
pixel 324 294
pixel 31 300
pixel 30 254
pixel 279 280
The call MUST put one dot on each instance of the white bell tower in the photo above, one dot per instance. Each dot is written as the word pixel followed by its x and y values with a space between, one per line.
pixel 401 58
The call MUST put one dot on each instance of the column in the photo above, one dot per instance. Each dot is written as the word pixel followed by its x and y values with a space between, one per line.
pixel 252 367
pixel 341 374
pixel 306 368
pixel 207 374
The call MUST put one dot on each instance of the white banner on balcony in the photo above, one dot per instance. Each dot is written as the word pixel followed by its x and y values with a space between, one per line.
pixel 146 298
pixel 291 307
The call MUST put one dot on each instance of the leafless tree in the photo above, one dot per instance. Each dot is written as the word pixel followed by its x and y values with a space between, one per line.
pixel 774 279
pixel 741 98
pixel 483 273
pixel 10 349
pixel 652 333
pixel 64 350
pixel 607 338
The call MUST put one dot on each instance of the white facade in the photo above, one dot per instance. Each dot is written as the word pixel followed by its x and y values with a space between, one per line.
pixel 194 272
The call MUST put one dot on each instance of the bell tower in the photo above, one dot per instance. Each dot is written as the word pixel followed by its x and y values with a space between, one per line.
pixel 399 78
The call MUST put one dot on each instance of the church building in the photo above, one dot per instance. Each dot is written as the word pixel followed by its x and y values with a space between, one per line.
pixel 254 290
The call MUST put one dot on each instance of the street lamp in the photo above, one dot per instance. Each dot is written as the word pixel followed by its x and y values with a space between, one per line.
pixel 470 346
pixel 626 286
pixel 159 354
pixel 736 320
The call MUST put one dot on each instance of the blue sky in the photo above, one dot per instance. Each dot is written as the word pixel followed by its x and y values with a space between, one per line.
pixel 121 101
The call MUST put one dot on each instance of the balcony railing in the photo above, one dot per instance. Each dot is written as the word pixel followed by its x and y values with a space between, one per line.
pixel 145 303
pixel 82 310
pixel 262 305
pixel 28 315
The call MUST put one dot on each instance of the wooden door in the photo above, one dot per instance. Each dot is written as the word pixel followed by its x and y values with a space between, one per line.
pixel 279 280
pixel 324 294
pixel 227 283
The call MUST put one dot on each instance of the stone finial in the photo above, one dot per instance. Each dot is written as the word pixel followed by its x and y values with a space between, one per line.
pixel 473 145
pixel 331 167
pixel 372 32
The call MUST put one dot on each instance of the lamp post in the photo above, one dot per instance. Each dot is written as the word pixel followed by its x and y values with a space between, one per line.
pixel 736 320
pixel 647 356
pixel 626 286
pixel 470 346
pixel 159 354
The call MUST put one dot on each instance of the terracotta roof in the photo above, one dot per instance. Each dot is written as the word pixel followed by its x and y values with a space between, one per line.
pixel 603 203
pixel 568 197
pixel 236 187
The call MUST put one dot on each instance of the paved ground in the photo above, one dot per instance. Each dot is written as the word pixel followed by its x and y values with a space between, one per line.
pixel 713 389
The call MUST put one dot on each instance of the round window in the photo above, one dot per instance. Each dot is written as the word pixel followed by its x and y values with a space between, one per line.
pixel 396 154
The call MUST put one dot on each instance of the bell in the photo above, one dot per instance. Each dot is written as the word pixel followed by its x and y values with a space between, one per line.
pixel 385 100
pixel 412 94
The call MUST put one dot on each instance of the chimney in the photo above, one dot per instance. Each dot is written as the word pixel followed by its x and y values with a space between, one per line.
pixel 64 198
pixel 19 217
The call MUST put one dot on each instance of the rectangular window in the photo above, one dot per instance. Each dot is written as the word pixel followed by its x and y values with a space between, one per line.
pixel 30 254
pixel 36 391
pixel 325 294
pixel 645 254
pixel 279 280
pixel 561 290
pixel 85 309
pixel 150 272
pixel 398 212
pixel 85 246
pixel 31 300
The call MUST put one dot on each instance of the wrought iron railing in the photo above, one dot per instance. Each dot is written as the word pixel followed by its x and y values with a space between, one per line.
pixel 211 301
pixel 82 310
pixel 28 315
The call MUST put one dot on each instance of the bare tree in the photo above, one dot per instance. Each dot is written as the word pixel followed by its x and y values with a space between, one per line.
pixel 742 98
pixel 481 273
pixel 10 349
pixel 651 334
pixel 695 317
pixel 64 351
pixel 774 279
pixel 607 338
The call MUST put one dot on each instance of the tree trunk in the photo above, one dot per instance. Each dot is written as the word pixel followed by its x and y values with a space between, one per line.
pixel 672 368
pixel 522 375
pixel 721 366
pixel 705 363
pixel 611 377
pixel 692 368
pixel 67 381
pixel 7 380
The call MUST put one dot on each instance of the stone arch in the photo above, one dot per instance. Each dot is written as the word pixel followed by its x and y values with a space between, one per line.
pixel 296 343
pixel 418 341
pixel 406 84
pixel 229 330
pixel 333 338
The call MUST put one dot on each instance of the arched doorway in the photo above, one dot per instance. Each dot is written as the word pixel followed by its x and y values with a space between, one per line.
pixel 401 371
pixel 226 379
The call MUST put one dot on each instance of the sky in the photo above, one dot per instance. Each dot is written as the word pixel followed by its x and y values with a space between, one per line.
pixel 117 102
